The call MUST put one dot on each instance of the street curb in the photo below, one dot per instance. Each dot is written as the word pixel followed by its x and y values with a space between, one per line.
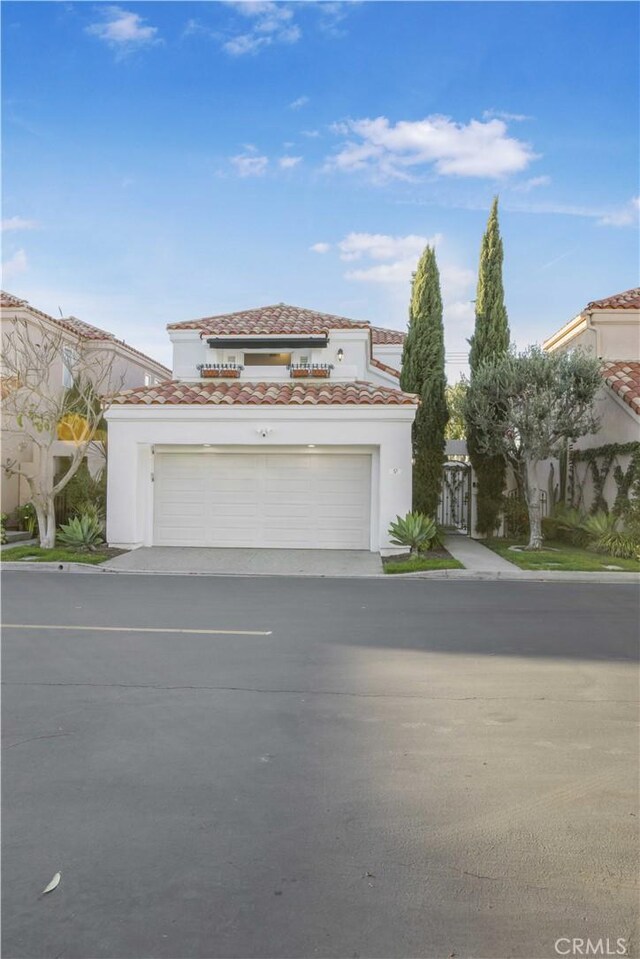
pixel 451 575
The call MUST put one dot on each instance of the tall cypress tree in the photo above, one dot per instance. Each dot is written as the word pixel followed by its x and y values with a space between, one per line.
pixel 489 341
pixel 423 373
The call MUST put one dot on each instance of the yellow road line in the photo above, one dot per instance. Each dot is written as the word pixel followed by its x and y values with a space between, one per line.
pixel 144 629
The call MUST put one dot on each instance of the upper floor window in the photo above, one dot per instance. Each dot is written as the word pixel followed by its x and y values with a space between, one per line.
pixel 267 359
pixel 69 358
pixel 147 380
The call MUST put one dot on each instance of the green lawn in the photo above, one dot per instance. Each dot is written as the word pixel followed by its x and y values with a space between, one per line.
pixel 36 554
pixel 417 564
pixel 561 556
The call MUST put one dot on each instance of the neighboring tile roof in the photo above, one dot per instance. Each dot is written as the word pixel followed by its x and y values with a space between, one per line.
pixel 629 300
pixel 265 320
pixel 384 367
pixel 240 393
pixel 380 336
pixel 70 323
pixel 623 377
pixel 76 327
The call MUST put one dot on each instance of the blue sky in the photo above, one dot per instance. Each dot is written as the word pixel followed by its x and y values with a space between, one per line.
pixel 164 161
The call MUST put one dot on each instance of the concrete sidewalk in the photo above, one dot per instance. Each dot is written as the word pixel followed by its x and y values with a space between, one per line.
pixel 475 557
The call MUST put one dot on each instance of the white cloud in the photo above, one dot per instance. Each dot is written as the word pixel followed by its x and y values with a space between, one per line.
pixel 123 31
pixel 381 246
pixel 532 184
pixel 387 150
pixel 245 43
pixel 312 134
pixel 320 247
pixel 12 267
pixel 249 164
pixel 625 216
pixel 18 223
pixel 270 23
pixel 287 163
pixel 503 115
pixel 401 255
pixel 297 104
pixel 331 14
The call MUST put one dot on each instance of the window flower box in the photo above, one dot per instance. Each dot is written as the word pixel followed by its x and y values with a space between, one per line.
pixel 224 371
pixel 314 370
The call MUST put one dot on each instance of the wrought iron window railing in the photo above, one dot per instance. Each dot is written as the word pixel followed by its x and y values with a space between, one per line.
pixel 300 370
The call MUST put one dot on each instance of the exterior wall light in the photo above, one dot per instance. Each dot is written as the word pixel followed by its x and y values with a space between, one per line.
pixel 311 446
pixel 340 355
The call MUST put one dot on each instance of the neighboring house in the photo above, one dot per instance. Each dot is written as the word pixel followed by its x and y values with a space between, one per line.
pixel 282 427
pixel 130 368
pixel 610 330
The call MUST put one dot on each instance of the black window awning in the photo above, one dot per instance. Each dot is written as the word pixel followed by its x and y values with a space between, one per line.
pixel 276 343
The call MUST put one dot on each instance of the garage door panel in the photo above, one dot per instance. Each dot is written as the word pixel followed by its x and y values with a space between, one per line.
pixel 277 500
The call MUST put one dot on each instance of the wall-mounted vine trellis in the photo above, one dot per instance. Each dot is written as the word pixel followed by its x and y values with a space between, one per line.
pixel 599 461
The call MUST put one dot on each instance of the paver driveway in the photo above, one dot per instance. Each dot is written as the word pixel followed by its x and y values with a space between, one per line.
pixel 363 768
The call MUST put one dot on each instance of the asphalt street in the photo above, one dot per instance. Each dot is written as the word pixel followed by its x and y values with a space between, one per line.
pixel 261 767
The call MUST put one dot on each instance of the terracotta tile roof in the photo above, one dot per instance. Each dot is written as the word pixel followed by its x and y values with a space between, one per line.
pixel 623 377
pixel 76 327
pixel 629 300
pixel 265 320
pixel 70 323
pixel 385 368
pixel 240 393
pixel 380 336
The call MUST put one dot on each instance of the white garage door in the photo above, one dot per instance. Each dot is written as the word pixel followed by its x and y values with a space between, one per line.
pixel 292 500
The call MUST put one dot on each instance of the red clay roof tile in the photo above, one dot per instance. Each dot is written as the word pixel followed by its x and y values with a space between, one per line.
pixel 629 300
pixel 380 336
pixel 385 368
pixel 623 377
pixel 241 393
pixel 265 320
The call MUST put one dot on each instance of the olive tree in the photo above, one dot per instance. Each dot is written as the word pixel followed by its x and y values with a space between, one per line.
pixel 38 408
pixel 526 407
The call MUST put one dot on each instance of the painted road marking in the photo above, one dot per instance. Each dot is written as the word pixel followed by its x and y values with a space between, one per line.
pixel 144 629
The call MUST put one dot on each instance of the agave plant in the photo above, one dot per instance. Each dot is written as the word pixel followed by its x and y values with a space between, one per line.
pixel 415 530
pixel 599 524
pixel 82 533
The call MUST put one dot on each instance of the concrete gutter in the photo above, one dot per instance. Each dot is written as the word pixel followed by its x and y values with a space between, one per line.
pixel 460 575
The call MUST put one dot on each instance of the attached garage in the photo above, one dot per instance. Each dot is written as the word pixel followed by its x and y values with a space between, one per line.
pixel 311 500
pixel 259 465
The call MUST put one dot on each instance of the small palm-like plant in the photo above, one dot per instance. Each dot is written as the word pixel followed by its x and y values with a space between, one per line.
pixel 83 533
pixel 415 530
pixel 571 522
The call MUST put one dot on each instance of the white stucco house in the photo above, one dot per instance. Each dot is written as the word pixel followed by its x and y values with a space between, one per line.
pixel 610 330
pixel 281 427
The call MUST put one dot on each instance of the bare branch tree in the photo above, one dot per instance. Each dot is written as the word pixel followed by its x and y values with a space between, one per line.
pixel 35 404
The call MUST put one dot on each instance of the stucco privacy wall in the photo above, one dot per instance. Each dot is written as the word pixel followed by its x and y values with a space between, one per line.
pixel 383 432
